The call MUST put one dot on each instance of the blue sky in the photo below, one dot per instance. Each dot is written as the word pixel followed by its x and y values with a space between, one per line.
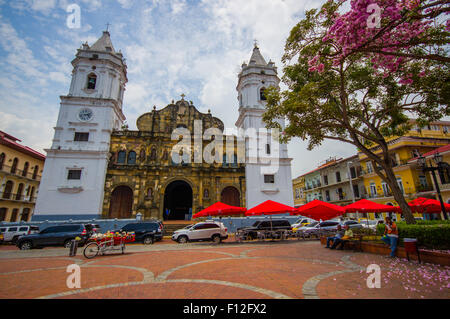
pixel 171 47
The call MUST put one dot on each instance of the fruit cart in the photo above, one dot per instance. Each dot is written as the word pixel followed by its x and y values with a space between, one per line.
pixel 102 243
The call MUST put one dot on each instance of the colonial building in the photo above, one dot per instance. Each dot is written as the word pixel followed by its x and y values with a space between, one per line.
pixel 412 181
pixel 298 186
pixel 143 177
pixel 20 174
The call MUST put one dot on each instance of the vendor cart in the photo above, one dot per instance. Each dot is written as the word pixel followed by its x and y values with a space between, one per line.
pixel 101 245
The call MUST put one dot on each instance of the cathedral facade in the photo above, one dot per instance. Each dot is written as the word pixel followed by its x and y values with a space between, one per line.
pixel 176 163
pixel 142 176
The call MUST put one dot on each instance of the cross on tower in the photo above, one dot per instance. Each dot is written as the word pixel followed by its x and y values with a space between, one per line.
pixel 182 96
pixel 107 26
pixel 256 43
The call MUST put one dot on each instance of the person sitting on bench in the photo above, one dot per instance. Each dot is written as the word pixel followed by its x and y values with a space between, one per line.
pixel 341 241
pixel 338 235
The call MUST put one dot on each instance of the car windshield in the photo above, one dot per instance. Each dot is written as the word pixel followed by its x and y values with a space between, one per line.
pixel 312 224
pixel 256 223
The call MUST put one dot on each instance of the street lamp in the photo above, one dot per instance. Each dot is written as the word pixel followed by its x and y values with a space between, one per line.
pixel 440 165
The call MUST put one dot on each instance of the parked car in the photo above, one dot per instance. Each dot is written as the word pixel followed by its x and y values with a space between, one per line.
pixel 12 233
pixel 146 232
pixel 205 231
pixel 301 222
pixel 60 235
pixel 372 224
pixel 353 224
pixel 277 224
pixel 316 227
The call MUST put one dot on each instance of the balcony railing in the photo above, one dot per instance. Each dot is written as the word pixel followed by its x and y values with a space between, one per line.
pixel 18 172
pixel 17 197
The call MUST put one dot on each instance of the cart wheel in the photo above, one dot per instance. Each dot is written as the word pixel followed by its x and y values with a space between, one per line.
pixel 91 250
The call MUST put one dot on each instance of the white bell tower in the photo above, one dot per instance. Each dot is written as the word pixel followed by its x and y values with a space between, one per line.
pixel 268 175
pixel 74 173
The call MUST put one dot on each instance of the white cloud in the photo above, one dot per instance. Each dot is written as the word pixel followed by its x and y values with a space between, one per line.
pixel 171 47
pixel 126 4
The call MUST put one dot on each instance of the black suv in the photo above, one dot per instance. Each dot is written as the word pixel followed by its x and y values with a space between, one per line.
pixel 278 224
pixel 147 232
pixel 60 235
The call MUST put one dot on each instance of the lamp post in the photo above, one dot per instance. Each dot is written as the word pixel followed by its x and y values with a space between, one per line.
pixel 351 185
pixel 440 165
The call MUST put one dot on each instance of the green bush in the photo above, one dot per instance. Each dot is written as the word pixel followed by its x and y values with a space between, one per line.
pixel 429 235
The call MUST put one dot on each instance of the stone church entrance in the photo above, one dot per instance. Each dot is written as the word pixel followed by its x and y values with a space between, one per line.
pixel 177 200
pixel 230 196
pixel 121 203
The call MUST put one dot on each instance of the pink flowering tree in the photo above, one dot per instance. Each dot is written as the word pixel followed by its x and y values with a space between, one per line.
pixel 361 79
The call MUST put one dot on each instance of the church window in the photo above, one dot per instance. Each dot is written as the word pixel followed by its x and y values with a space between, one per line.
pixel 74 174
pixel 92 80
pixel 225 164
pixel 153 154
pixel 131 158
pixel 269 179
pixel 206 193
pixel 81 137
pixel 121 157
pixel 262 95
pixel 234 164
pixel 268 148
pixel 142 155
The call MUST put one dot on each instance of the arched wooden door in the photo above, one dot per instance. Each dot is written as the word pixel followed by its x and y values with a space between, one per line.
pixel 121 203
pixel 230 196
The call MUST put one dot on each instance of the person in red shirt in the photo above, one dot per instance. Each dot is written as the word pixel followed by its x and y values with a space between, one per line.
pixel 390 236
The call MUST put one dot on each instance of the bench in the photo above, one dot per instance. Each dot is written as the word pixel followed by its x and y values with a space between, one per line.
pixel 353 243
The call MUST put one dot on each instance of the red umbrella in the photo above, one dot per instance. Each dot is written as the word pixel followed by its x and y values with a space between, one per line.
pixel 220 209
pixel 427 205
pixel 269 207
pixel 365 206
pixel 318 209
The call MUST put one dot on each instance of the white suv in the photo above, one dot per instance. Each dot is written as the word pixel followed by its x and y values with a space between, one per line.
pixel 205 231
pixel 12 233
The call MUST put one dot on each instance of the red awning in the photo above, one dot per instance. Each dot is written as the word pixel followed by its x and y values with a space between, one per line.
pixel 319 210
pixel 427 205
pixel 220 209
pixel 269 207
pixel 367 206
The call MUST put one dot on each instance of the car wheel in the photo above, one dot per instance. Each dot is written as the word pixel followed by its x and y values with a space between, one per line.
pixel 148 240
pixel 26 245
pixel 67 243
pixel 182 239
pixel 14 240
pixel 216 239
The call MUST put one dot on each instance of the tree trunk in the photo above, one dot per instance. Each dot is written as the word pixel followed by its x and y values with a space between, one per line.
pixel 398 195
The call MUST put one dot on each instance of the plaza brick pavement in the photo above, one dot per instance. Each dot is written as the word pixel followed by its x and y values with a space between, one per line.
pixel 289 269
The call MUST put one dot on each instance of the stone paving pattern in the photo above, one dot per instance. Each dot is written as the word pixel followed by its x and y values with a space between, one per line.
pixel 290 269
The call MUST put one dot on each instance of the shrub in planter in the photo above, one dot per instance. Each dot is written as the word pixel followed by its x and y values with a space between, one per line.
pixel 431 235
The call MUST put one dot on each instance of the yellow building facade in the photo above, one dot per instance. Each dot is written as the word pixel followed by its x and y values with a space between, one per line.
pixel 20 173
pixel 298 187
pixel 410 178
pixel 142 176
